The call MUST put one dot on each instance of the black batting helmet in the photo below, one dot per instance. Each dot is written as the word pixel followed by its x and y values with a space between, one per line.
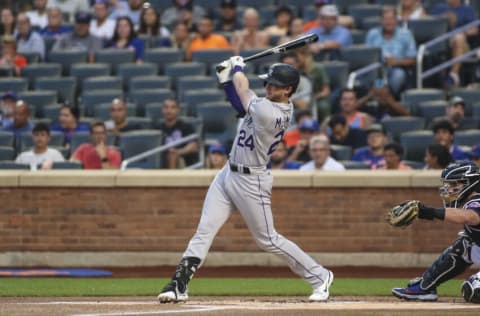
pixel 282 75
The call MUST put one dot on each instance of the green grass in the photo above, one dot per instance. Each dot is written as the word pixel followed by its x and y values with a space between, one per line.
pixel 201 287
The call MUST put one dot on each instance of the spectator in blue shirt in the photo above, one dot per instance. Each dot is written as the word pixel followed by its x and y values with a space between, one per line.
pixel 373 153
pixel 398 49
pixel 331 35
pixel 278 159
pixel 21 120
pixel 125 37
pixel 458 15
pixel 68 123
pixel 55 27
pixel 444 134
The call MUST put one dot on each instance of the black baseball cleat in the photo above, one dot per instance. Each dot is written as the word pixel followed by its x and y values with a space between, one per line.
pixel 172 294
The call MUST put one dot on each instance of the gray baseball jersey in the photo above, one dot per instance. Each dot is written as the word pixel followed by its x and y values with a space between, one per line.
pixel 249 192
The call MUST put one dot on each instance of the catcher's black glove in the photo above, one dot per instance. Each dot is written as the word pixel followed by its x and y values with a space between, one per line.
pixel 404 214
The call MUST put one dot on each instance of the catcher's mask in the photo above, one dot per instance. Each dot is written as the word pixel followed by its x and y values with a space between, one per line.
pixel 459 179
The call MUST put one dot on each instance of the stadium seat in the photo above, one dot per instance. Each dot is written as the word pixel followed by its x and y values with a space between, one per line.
pixel 102 110
pixel 358 56
pixel 192 83
pixel 430 110
pixel 67 165
pixel 181 69
pixel 417 165
pixel 255 3
pixel 361 11
pixel 52 112
pixel 154 111
pixel 340 152
pixel 13 84
pixel 144 96
pixel 38 99
pixel 130 70
pixel 412 97
pixel 211 56
pixel 337 72
pixel 467 137
pixel 476 110
pixel 426 29
pixel 32 57
pixel 395 126
pixel 26 140
pixel 7 153
pixel 7 71
pixel 67 58
pixel 89 99
pixel 354 165
pixel 82 71
pixel 149 82
pixel 136 142
pixel 369 23
pixel 66 87
pixel 33 71
pixel 102 83
pixel 343 5
pixel 115 57
pixel 5 165
pixel 6 138
pixel 414 144
pixel 195 97
pixel 144 122
pixel 358 36
pixel 78 139
pixel 163 57
pixel 219 122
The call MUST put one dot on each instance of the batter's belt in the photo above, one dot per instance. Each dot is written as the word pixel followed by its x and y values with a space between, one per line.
pixel 246 170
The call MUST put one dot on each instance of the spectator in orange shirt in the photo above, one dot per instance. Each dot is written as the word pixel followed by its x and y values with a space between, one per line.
pixel 97 155
pixel 393 153
pixel 206 39
pixel 10 56
pixel 343 20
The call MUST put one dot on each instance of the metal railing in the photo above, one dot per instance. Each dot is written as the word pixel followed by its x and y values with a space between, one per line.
pixel 361 71
pixel 422 49
pixel 162 148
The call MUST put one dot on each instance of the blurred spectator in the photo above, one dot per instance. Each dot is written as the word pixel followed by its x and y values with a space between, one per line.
pixel 302 97
pixel 68 123
pixel 125 37
pixel 227 21
pixel 7 22
pixel 217 156
pixel 292 136
pixel 251 36
pixel 295 30
pixel 437 157
pixel 344 20
pixel 55 27
pixel 9 55
pixel 320 154
pixel 474 154
pixel 150 23
pixel 28 40
pixel 206 39
pixel 373 153
pixel 458 15
pixel 7 108
pixel 21 119
pixel 349 109
pixel 283 16
pixel 97 155
pixel 444 135
pixel 331 35
pixel 131 9
pixel 119 122
pixel 380 103
pixel 183 11
pixel 393 154
pixel 398 50
pixel 308 128
pixel 410 10
pixel 80 39
pixel 101 26
pixel 343 134
pixel 319 78
pixel 40 154
pixel 38 16
pixel 279 158
pixel 69 7
pixel 174 128
pixel 455 113
pixel 180 38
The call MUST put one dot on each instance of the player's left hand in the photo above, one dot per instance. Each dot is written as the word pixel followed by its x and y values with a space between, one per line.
pixel 223 72
pixel 237 63
pixel 404 214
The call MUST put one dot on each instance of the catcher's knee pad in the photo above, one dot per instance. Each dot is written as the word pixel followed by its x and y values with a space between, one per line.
pixel 452 262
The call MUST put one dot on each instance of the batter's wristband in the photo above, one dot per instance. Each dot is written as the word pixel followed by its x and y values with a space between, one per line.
pixel 237 68
pixel 430 213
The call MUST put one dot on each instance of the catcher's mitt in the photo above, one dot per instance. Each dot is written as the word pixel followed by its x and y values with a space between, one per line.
pixel 402 215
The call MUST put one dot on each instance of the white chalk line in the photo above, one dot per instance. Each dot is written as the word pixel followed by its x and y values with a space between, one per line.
pixel 195 308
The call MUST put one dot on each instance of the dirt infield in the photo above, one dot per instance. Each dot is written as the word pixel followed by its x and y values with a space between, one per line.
pixel 222 306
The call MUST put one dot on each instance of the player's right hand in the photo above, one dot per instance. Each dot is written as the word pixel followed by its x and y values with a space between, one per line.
pixel 223 71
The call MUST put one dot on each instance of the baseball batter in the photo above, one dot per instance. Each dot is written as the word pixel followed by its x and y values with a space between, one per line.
pixel 246 184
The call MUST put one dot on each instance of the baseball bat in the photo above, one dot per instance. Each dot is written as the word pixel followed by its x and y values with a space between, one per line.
pixel 282 48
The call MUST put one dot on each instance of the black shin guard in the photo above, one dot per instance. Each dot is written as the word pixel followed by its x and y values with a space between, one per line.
pixel 185 271
pixel 450 264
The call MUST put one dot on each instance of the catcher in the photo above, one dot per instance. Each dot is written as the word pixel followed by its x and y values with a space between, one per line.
pixel 460 194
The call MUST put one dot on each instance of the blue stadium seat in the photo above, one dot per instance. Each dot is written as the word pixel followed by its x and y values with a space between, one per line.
pixel 82 71
pixel 163 57
pixel 395 126
pixel 102 110
pixel 219 122
pixel 358 56
pixel 33 71
pixel 149 82
pixel 6 138
pixel 360 12
pixel 66 87
pixel 128 71
pixel 136 142
pixel 414 144
pixel 38 99
pixel 144 96
pixel 90 99
pixel 211 56
pixel 355 165
pixel 115 57
pixel 192 83
pixel 67 165
pixel 67 58
pixel 340 152
pixel 412 97
pixel 102 83
pixel 467 137
pixel 7 153
pixel 195 97
pixel 13 84
pixel 430 110
pixel 181 69
pixel 11 165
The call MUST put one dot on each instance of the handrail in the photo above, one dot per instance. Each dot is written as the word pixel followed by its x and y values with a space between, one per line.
pixel 159 149
pixel 423 47
pixel 448 63
pixel 366 69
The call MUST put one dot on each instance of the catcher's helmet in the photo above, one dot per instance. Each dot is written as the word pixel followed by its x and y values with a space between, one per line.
pixel 282 75
pixel 459 179
pixel 471 289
